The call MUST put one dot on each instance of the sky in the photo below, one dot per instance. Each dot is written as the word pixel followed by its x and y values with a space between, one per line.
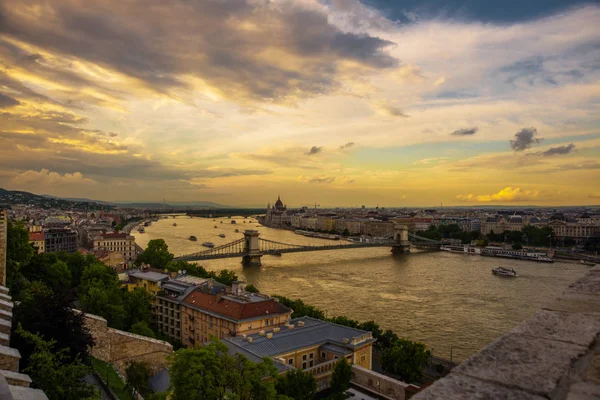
pixel 328 102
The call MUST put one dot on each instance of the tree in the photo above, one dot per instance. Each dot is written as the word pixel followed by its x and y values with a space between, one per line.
pixel 346 232
pixel 49 314
pixel 342 320
pixel 340 379
pixel 156 254
pixel 226 277
pixel 297 384
pixel 53 371
pixel 209 372
pixel 18 253
pixel 517 246
pixel 142 328
pixel 138 307
pixel 251 288
pixel 137 374
pixel 100 294
pixel 373 327
pixel 387 339
pixel 406 358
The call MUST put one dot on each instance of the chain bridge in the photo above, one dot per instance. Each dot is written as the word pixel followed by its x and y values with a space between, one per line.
pixel 251 247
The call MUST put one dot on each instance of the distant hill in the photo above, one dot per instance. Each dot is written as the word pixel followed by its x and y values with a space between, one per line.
pixel 8 197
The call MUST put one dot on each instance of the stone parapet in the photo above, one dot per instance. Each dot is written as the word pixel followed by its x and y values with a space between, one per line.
pixel 553 355
pixel 120 347
pixel 376 383
pixel 4 339
pixel 6 305
pixel 15 378
pixel 9 358
pixel 5 326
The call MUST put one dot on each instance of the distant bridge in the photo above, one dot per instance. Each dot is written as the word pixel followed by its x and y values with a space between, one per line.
pixel 251 247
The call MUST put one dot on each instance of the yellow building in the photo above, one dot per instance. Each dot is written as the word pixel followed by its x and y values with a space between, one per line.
pixel 38 240
pixel 149 280
pixel 308 344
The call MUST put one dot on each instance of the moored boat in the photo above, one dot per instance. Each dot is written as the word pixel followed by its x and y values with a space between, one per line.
pixel 208 244
pixel 141 229
pixel 501 271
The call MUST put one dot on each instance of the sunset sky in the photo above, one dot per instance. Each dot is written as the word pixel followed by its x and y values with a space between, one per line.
pixel 335 102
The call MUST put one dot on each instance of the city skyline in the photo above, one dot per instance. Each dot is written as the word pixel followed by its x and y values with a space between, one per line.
pixel 339 103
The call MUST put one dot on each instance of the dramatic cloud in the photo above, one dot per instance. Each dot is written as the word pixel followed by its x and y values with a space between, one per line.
pixel 558 150
pixel 7 101
pixel 508 194
pixel 314 150
pixel 465 131
pixel 347 145
pixel 45 177
pixel 239 49
pixel 524 139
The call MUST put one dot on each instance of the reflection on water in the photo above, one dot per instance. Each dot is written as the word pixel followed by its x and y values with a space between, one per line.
pixel 439 298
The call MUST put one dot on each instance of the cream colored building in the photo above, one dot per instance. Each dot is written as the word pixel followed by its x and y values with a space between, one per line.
pixel 119 242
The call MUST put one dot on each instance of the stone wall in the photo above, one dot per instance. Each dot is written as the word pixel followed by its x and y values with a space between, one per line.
pixel 553 355
pixel 379 384
pixel 120 347
pixel 3 240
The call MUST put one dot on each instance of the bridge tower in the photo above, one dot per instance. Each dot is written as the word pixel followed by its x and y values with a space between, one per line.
pixel 401 243
pixel 251 248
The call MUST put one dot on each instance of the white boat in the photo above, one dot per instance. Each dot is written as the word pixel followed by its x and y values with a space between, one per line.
pixel 588 263
pixel 208 244
pixel 461 249
pixel 501 271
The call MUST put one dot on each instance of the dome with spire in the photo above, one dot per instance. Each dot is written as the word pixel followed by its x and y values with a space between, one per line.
pixel 279 204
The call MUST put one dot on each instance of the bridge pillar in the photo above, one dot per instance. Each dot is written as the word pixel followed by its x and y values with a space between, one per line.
pixel 252 249
pixel 401 243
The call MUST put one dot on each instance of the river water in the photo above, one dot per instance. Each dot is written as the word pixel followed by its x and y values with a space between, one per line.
pixel 443 299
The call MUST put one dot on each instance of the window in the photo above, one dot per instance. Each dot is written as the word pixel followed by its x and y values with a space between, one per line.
pixel 310 363
pixel 304 365
pixel 266 322
pixel 311 356
pixel 304 357
pixel 363 357
pixel 290 361
pixel 323 355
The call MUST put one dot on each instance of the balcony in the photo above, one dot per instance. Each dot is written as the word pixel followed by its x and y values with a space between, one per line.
pixel 322 373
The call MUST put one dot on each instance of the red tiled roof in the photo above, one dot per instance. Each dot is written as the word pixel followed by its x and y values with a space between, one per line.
pixel 36 236
pixel 233 309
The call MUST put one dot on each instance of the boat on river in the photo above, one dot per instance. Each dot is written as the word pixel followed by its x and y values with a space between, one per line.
pixel 193 238
pixel 174 224
pixel 221 235
pixel 233 221
pixel 237 230
pixel 501 271
pixel 208 244
pixel 461 249
pixel 141 229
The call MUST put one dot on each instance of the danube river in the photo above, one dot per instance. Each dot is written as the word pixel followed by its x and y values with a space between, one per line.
pixel 442 299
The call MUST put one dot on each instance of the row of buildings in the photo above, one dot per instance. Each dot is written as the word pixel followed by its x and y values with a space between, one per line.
pixel 572 225
pixel 194 310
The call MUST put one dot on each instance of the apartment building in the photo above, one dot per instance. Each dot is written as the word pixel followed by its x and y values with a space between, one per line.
pixel 215 310
pixel 166 310
pixel 149 279
pixel 119 242
pixel 60 239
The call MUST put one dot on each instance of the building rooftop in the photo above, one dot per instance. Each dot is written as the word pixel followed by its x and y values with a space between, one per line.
pixel 151 276
pixel 314 332
pixel 36 236
pixel 230 306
